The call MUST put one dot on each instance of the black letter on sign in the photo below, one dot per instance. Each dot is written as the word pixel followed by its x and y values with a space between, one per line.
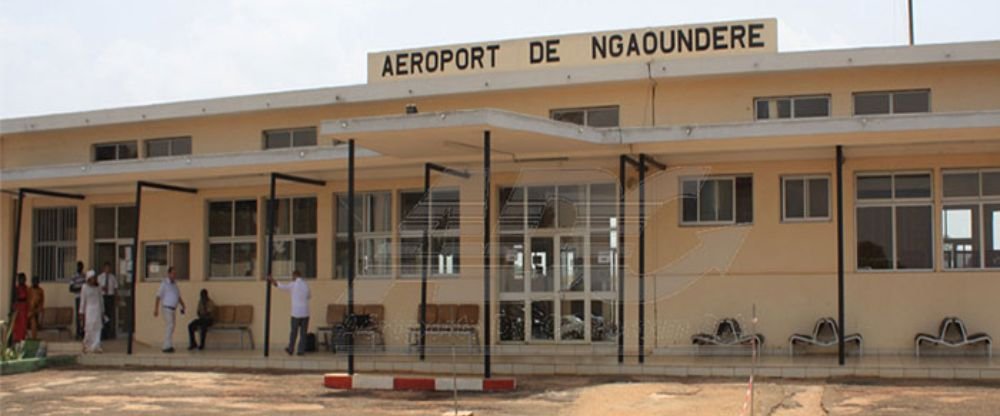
pixel 701 39
pixel 535 51
pixel 493 54
pixel 598 47
pixel 446 55
pixel 551 53
pixel 755 35
pixel 387 66
pixel 719 38
pixel 401 64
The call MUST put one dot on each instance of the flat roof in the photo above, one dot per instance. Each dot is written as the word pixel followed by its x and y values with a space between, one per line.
pixel 724 65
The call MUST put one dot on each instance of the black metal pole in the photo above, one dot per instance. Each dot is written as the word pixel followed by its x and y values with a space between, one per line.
pixel 840 253
pixel 486 254
pixel 642 257
pixel 17 251
pixel 424 264
pixel 909 16
pixel 350 252
pixel 270 254
pixel 621 259
pixel 135 266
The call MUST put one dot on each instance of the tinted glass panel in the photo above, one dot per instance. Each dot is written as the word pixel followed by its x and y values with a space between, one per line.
pixel 220 219
pixel 181 146
pixel 105 152
pixel 913 186
pixel 690 202
pixel 762 110
pixel 744 200
pixel 304 137
pixel 961 184
pixel 603 117
pixel 991 227
pixel 511 208
pixel 784 108
pixel 911 102
pixel 874 187
pixel 541 207
pixel 812 107
pixel 104 222
pixel 277 139
pixel 569 116
pixel 512 321
pixel 726 200
pixel 991 183
pixel 960 234
pixel 246 218
pixel 794 198
pixel 708 201
pixel 874 238
pixel 603 205
pixel 128 151
pixel 157 148
pixel 819 198
pixel 875 103
pixel 914 237
pixel 304 215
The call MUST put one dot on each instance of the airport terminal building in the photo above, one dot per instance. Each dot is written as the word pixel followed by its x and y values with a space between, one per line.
pixel 589 194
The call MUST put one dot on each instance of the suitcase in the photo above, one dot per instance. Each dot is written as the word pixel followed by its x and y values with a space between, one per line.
pixel 310 342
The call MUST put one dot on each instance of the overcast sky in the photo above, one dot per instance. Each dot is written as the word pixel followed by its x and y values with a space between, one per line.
pixel 61 56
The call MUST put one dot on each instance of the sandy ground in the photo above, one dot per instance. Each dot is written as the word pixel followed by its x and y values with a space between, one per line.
pixel 79 390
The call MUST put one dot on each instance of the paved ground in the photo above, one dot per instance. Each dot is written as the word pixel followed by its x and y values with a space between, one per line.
pixel 79 390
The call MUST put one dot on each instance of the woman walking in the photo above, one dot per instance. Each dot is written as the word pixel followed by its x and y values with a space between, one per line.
pixel 92 314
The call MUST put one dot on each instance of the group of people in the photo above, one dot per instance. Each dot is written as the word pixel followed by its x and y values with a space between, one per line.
pixel 29 305
pixel 97 296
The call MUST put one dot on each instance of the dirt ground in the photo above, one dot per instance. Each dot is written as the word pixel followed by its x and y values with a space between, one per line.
pixel 78 390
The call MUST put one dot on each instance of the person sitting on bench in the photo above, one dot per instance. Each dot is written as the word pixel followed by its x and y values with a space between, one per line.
pixel 206 315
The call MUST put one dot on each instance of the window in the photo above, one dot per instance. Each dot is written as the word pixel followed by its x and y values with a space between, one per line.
pixel 115 151
pixel 717 200
pixel 443 210
pixel 894 222
pixel 294 237
pixel 970 219
pixel 892 102
pixel 592 116
pixel 173 146
pixel 805 198
pixel 285 138
pixel 113 232
pixel 372 234
pixel 54 254
pixel 232 238
pixel 791 107
pixel 161 255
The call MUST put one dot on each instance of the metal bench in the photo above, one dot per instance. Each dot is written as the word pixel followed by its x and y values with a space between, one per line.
pixel 826 333
pixel 59 319
pixel 952 334
pixel 446 319
pixel 727 333
pixel 234 318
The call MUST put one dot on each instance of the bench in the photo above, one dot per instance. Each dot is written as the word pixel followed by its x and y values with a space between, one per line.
pixel 337 313
pixel 448 319
pixel 952 334
pixel 237 318
pixel 728 333
pixel 826 333
pixel 59 319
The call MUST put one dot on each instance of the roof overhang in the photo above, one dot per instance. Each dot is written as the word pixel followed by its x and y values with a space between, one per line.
pixel 678 68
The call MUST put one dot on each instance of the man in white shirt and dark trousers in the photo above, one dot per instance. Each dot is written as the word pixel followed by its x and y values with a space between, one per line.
pixel 108 284
pixel 299 291
pixel 168 298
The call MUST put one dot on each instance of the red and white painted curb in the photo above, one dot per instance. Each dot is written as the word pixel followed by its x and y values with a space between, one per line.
pixel 343 381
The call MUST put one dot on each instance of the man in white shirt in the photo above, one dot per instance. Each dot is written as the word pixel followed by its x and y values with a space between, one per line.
pixel 168 297
pixel 299 291
pixel 108 284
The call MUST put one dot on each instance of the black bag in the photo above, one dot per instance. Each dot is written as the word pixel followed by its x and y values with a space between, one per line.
pixel 356 322
pixel 310 342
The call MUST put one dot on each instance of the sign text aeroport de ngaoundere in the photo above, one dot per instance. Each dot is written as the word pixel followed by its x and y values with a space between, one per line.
pixel 711 39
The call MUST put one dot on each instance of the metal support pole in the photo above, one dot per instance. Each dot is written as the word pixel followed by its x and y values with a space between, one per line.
pixel 425 263
pixel 17 250
pixel 135 266
pixel 350 253
pixel 486 254
pixel 270 262
pixel 135 247
pixel 840 253
pixel 642 257
pixel 621 258
pixel 909 16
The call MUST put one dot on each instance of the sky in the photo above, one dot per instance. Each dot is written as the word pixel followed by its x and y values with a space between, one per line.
pixel 62 56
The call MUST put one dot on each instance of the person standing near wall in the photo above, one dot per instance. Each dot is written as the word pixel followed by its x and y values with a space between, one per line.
pixel 75 285
pixel 299 291
pixel 92 314
pixel 168 298
pixel 36 306
pixel 21 308
pixel 109 292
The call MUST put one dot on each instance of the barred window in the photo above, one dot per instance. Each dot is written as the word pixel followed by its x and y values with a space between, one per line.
pixel 232 238
pixel 294 237
pixel 285 138
pixel 894 221
pixel 54 252
pixel 372 234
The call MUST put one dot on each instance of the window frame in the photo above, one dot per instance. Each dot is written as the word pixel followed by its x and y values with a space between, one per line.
pixel 698 223
pixel 232 239
pixel 791 110
pixel 586 114
pixel 171 140
pixel 893 203
pixel 362 236
pixel 170 245
pixel 58 245
pixel 890 94
pixel 292 237
pixel 805 198
pixel 291 137
pixel 117 145
pixel 980 201
pixel 445 233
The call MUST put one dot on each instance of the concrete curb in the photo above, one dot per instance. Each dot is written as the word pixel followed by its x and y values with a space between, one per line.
pixel 344 381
